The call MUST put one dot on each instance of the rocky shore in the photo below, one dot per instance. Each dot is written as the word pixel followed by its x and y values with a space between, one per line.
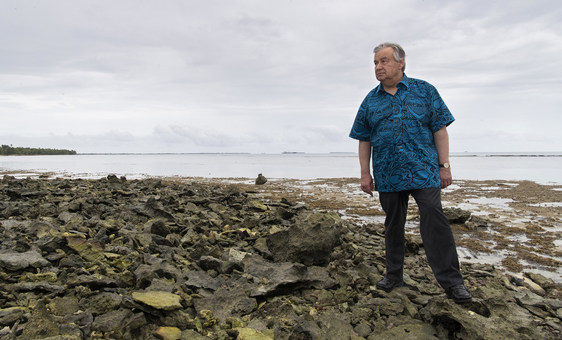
pixel 190 259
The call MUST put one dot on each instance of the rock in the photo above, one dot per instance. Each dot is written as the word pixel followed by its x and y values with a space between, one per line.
pixel 190 334
pixel 476 222
pixel 252 334
pixel 17 261
pixel 41 324
pixel 201 279
pixel 456 215
pixel 65 305
pixel 112 320
pixel 258 206
pixel 168 333
pixel 159 300
pixel 89 250
pixel 310 240
pixel 101 303
pixel 335 326
pixel 261 180
pixel 363 329
pixel 226 302
pixel 480 321
pixel 529 284
pixel 210 263
pixel 412 331
pixel 275 278
pixel 544 282
pixel 9 316
pixel 169 259
pixel 157 227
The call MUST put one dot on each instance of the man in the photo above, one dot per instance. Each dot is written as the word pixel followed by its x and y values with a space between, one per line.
pixel 402 124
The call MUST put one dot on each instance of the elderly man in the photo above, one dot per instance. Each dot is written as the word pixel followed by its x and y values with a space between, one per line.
pixel 402 125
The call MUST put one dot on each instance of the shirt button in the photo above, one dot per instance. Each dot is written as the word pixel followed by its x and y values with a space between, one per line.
pixel 396 120
pixel 396 133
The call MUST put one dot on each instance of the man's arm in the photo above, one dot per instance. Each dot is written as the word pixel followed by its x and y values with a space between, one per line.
pixel 365 162
pixel 441 139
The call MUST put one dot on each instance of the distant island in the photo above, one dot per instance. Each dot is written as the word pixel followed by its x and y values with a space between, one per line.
pixel 6 150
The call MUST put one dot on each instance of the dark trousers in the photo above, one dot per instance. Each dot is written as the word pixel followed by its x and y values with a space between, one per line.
pixel 435 231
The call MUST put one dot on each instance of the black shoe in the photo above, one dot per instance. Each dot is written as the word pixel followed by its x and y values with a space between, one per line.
pixel 459 294
pixel 388 285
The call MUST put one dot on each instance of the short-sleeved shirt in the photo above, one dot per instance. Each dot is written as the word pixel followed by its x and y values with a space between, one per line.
pixel 400 128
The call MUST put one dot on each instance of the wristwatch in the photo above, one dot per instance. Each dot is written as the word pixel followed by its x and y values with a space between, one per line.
pixel 445 165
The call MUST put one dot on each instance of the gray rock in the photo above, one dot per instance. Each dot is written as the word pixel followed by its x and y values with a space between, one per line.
pixel 144 274
pixel 17 261
pixel 201 279
pixel 416 330
pixel 9 316
pixel 310 240
pixel 541 280
pixel 476 222
pixel 101 303
pixel 157 227
pixel 226 302
pixel 37 287
pixel 456 215
pixel 363 329
pixel 210 263
pixel 335 326
pixel 261 180
pixel 479 321
pixel 112 320
pixel 279 278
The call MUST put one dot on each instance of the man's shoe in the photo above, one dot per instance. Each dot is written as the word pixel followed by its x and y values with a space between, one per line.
pixel 388 285
pixel 459 294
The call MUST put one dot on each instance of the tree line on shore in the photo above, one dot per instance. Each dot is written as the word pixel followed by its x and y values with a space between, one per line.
pixel 7 150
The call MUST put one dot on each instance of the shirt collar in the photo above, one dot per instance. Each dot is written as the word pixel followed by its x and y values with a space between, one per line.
pixel 405 83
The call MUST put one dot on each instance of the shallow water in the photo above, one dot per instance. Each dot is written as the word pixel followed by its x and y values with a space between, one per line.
pixel 540 169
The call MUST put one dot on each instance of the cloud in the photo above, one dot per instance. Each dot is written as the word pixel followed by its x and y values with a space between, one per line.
pixel 248 75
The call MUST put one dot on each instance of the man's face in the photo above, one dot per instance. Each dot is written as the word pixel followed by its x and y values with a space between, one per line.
pixel 386 68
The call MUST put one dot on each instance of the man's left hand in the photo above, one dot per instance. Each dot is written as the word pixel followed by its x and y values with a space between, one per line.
pixel 446 177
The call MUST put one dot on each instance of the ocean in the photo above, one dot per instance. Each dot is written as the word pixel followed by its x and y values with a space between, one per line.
pixel 543 168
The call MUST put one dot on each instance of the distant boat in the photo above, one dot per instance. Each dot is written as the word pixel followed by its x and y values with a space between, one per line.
pixel 292 153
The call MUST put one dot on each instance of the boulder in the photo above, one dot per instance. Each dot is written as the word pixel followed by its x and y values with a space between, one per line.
pixel 261 180
pixel 309 241
pixel 500 320
pixel 456 215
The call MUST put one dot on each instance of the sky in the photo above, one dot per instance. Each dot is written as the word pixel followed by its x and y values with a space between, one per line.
pixel 265 76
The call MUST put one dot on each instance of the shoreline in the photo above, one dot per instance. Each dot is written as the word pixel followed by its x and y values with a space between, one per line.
pixel 291 166
pixel 523 232
pixel 131 258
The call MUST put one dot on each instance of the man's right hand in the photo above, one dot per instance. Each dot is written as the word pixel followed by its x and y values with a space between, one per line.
pixel 367 184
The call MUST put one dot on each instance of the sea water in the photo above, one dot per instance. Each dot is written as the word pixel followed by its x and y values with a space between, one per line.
pixel 543 168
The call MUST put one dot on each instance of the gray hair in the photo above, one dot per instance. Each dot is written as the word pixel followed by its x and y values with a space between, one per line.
pixel 399 54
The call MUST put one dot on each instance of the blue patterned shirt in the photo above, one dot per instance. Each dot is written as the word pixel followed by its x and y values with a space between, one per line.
pixel 400 129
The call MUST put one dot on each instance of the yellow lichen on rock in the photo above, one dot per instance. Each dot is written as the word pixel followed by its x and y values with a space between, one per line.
pixel 158 300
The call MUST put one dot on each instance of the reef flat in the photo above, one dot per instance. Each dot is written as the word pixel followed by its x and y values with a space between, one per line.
pixel 180 258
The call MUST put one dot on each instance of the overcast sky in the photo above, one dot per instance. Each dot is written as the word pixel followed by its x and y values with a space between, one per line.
pixel 270 76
